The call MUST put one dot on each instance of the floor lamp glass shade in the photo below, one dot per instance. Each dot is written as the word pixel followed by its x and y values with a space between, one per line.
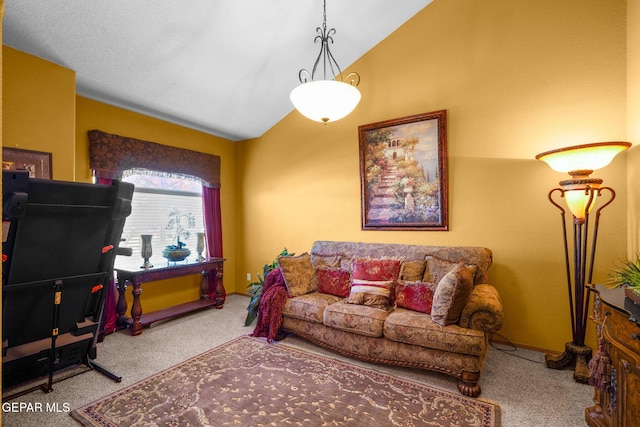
pixel 583 157
pixel 325 100
pixel 580 202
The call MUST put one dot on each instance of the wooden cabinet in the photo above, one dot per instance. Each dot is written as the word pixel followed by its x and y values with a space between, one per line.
pixel 617 320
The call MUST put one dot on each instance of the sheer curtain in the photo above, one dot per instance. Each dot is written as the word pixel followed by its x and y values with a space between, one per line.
pixel 110 155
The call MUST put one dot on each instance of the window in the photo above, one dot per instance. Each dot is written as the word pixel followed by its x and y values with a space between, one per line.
pixel 154 198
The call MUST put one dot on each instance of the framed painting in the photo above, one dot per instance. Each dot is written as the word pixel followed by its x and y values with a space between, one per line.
pixel 38 163
pixel 403 173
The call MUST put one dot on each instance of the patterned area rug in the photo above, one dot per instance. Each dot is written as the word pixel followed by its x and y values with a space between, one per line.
pixel 248 382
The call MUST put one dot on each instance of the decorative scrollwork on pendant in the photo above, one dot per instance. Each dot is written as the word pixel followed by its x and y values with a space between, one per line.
pixel 325 61
pixel 305 76
pixel 352 78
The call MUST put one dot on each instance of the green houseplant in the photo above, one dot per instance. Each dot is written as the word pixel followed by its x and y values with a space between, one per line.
pixel 254 289
pixel 180 223
pixel 627 275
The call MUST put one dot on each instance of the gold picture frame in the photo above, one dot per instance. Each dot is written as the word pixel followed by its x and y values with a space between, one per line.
pixel 38 163
pixel 403 173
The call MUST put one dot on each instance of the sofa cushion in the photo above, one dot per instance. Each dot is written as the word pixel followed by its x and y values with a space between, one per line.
pixel 372 281
pixel 416 296
pixel 451 295
pixel 359 319
pixel 334 281
pixel 299 274
pixel 412 271
pixel 309 307
pixel 411 327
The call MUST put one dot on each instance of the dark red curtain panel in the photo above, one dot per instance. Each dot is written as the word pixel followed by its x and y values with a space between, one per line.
pixel 109 315
pixel 213 234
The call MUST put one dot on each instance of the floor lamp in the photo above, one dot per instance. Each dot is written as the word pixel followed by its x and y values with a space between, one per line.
pixel 581 194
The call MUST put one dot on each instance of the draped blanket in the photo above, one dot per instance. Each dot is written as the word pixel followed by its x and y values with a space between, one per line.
pixel 274 295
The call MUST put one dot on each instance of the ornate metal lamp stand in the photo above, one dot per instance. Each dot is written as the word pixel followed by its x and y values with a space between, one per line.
pixel 576 353
pixel 580 194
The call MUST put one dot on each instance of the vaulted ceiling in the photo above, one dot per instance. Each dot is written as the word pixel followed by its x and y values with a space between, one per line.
pixel 224 67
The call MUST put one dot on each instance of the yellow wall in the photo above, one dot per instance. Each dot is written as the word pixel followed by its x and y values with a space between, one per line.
pixel 633 126
pixel 516 78
pixel 39 109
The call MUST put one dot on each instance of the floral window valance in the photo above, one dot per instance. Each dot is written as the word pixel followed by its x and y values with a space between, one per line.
pixel 110 155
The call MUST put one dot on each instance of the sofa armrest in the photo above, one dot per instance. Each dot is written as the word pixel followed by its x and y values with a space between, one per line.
pixel 483 311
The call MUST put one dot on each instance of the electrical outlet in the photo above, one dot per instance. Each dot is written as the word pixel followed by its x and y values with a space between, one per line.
pixel 249 277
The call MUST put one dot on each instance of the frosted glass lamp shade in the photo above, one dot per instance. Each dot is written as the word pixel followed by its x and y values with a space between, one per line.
pixel 587 157
pixel 578 201
pixel 325 100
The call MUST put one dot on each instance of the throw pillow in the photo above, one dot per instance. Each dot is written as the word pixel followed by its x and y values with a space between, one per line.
pixel 436 269
pixel 416 296
pixel 372 281
pixel 334 281
pixel 322 260
pixel 451 295
pixel 298 273
pixel 412 271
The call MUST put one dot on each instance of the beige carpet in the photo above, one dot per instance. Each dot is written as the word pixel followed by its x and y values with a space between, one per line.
pixel 248 382
pixel 529 394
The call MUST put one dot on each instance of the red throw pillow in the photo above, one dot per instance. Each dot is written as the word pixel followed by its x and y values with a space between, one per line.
pixel 416 296
pixel 373 281
pixel 334 281
pixel 373 269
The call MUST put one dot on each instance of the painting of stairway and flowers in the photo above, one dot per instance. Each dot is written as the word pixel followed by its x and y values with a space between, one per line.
pixel 403 172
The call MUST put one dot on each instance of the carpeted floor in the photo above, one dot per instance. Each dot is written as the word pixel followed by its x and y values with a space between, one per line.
pixel 249 382
pixel 528 393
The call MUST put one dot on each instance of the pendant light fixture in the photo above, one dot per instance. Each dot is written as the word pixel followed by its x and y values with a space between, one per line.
pixel 333 97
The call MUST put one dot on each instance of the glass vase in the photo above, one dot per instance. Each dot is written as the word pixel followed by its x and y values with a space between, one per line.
pixel 200 246
pixel 146 250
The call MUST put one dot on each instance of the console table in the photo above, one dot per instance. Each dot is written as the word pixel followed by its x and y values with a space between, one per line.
pixel 131 275
pixel 617 319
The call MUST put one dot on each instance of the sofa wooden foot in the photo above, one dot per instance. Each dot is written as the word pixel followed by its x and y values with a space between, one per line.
pixel 471 389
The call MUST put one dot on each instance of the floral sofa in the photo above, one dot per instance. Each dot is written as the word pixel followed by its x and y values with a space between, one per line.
pixel 426 307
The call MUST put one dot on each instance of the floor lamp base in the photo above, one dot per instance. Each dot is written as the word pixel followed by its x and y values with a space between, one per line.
pixel 577 356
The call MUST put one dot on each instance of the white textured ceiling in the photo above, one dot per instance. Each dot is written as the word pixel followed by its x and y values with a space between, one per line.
pixel 224 67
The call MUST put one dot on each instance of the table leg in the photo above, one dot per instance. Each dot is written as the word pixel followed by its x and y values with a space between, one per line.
pixel 221 294
pixel 136 309
pixel 121 306
pixel 204 285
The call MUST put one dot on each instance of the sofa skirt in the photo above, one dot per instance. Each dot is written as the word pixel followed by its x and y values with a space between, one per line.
pixel 383 351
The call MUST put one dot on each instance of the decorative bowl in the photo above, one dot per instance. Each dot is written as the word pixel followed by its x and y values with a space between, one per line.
pixel 174 255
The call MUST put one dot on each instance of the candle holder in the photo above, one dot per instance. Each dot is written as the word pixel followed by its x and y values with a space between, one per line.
pixel 146 250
